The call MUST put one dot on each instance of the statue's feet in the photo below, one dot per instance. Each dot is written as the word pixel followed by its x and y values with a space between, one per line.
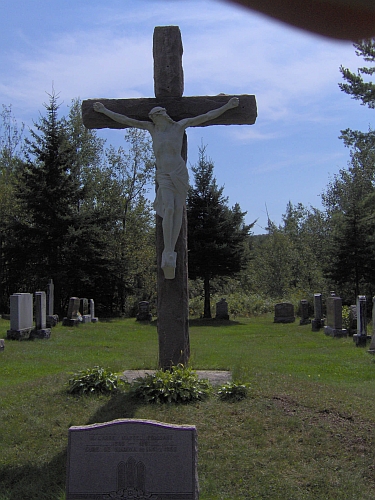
pixel 168 264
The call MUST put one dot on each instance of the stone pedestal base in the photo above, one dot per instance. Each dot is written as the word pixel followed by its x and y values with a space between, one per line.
pixel 94 319
pixel 23 334
pixel 282 319
pixel 304 321
pixel 317 324
pixel 335 332
pixel 222 316
pixel 144 317
pixel 44 333
pixel 52 320
pixel 71 322
pixel 360 340
pixel 86 318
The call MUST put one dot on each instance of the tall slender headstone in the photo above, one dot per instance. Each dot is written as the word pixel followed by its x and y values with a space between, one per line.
pixel 94 319
pixel 51 318
pixel 372 344
pixel 360 338
pixel 318 321
pixel 304 312
pixel 172 302
pixel 41 331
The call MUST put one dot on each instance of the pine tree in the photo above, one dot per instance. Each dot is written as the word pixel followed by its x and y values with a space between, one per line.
pixel 217 234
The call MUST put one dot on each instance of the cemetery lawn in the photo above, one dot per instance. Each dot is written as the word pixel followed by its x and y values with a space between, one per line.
pixel 306 431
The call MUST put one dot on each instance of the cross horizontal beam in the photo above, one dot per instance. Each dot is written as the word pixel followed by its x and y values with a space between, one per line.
pixel 177 108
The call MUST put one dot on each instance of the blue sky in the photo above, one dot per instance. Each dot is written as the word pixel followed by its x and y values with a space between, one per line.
pixel 91 48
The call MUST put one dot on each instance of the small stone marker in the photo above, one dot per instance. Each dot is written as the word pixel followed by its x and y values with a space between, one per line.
pixel 41 331
pixel 2 345
pixel 132 459
pixel 144 311
pixel 94 319
pixel 284 313
pixel 222 309
pixel 304 312
pixel 318 321
pixel 21 316
pixel 72 318
pixel 360 338
pixel 334 317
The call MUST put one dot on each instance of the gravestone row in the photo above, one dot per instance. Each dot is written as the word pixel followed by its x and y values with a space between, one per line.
pixel 21 314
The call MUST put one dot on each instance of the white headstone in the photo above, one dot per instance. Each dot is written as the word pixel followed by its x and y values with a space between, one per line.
pixel 21 311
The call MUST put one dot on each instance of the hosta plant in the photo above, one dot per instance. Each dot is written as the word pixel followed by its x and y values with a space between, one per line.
pixel 177 385
pixel 233 392
pixel 95 380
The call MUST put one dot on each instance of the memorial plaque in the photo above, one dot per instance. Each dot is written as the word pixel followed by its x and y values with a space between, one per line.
pixel 128 459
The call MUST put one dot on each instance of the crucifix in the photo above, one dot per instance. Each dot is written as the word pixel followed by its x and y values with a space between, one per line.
pixel 166 117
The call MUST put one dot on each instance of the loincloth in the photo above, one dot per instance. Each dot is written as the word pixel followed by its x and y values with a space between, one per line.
pixel 177 181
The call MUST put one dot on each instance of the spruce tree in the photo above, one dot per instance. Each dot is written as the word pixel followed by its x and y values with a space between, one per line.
pixel 217 234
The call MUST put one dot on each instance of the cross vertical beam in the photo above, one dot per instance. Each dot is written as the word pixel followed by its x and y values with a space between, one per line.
pixel 172 295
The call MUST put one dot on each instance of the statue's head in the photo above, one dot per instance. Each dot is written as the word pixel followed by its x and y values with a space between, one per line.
pixel 159 112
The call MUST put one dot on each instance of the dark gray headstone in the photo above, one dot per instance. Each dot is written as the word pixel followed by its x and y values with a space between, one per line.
pixel 129 459
pixel 222 309
pixel 84 306
pixel 360 338
pixel 318 321
pixel 304 312
pixel 73 308
pixel 41 331
pixel 334 317
pixel 372 345
pixel 284 313
pixel 144 311
pixel 73 317
pixel 50 297
pixel 2 345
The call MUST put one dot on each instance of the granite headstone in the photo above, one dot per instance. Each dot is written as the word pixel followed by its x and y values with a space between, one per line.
pixel 222 309
pixel 334 317
pixel 284 313
pixel 21 316
pixel 132 459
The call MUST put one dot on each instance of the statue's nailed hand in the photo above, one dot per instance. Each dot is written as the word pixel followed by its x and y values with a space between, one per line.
pixel 233 102
pixel 99 107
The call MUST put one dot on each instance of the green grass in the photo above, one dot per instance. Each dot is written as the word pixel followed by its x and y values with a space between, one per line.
pixel 307 431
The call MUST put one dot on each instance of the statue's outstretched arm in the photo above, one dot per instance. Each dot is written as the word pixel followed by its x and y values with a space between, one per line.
pixel 210 115
pixel 125 120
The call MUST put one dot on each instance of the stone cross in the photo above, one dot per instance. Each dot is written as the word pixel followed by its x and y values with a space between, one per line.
pixel 173 300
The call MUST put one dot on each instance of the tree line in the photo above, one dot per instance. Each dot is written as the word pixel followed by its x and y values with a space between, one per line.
pixel 319 250
pixel 77 211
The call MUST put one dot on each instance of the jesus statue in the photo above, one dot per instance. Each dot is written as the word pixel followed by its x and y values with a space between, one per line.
pixel 171 172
